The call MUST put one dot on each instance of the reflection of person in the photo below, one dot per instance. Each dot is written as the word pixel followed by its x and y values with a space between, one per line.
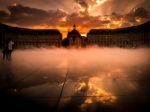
pixel 5 51
pixel 10 48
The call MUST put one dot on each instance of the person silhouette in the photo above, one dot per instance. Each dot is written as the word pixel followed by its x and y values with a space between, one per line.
pixel 5 51
pixel 10 48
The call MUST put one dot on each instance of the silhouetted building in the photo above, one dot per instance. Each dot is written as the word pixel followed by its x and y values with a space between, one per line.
pixel 28 37
pixel 136 36
pixel 74 38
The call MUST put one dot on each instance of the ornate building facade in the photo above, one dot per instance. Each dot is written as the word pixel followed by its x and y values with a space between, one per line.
pixel 30 38
pixel 136 36
pixel 74 38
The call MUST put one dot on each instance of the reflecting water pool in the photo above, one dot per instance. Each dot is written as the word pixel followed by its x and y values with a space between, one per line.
pixel 77 80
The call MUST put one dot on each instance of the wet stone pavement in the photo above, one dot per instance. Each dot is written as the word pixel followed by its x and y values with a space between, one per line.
pixel 57 80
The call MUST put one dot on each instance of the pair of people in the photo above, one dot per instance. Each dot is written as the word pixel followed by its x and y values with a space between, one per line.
pixel 7 50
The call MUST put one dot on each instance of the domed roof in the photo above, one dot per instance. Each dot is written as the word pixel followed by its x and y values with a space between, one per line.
pixel 74 31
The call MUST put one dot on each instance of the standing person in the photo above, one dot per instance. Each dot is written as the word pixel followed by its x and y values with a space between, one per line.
pixel 10 48
pixel 5 51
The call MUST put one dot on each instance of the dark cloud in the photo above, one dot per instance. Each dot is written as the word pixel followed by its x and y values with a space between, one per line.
pixel 3 15
pixel 41 4
pixel 26 16
pixel 140 12
pixel 83 5
pixel 145 4
pixel 138 15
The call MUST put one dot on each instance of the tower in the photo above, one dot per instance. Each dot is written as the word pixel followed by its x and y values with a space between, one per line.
pixel 74 27
pixel 74 37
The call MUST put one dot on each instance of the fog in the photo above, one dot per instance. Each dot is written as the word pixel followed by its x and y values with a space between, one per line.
pixel 111 79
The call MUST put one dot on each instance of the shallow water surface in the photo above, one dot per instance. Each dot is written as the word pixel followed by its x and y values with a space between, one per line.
pixel 106 79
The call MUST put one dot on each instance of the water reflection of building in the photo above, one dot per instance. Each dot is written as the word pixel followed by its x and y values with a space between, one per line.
pixel 27 37
pixel 124 37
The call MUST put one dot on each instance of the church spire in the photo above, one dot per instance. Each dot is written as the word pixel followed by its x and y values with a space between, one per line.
pixel 74 26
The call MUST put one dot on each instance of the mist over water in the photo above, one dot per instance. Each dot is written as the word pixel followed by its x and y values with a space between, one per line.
pixel 111 79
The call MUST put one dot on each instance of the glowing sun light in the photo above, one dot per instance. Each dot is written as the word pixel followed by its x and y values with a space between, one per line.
pixel 99 2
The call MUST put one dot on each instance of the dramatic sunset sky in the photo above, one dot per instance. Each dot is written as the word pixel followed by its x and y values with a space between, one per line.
pixel 86 14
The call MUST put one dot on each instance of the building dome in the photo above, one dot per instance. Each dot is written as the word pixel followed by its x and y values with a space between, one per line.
pixel 74 32
pixel 74 37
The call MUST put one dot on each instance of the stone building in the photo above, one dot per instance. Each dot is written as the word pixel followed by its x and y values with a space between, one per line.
pixel 136 36
pixel 30 38
pixel 74 38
